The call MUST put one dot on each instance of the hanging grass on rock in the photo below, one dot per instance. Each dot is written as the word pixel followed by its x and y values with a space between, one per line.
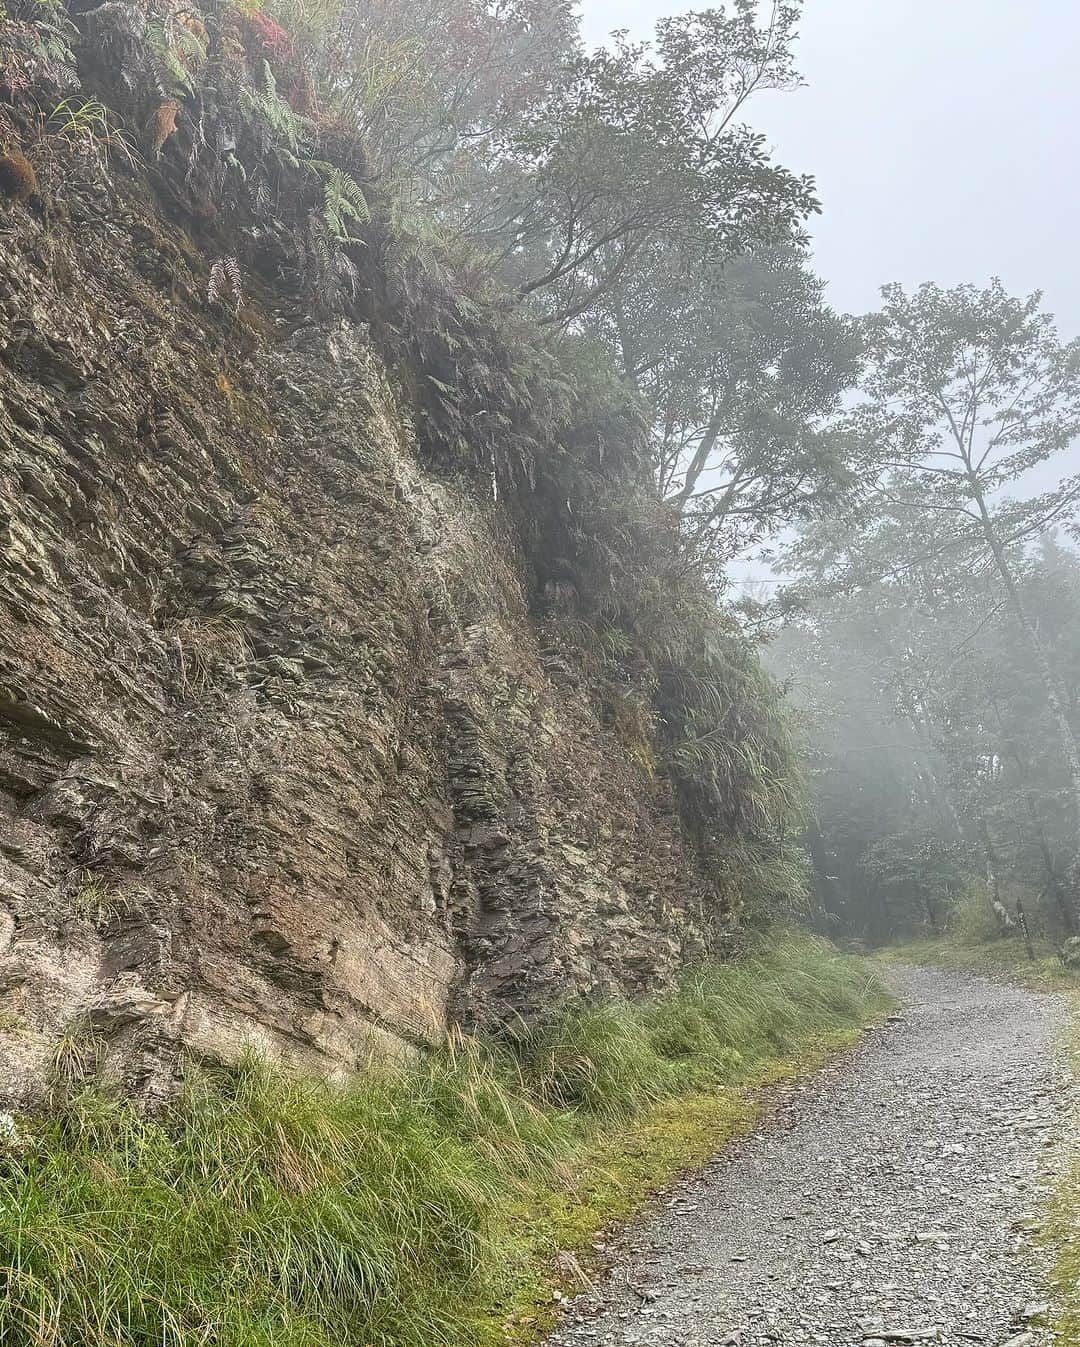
pixel 265 1209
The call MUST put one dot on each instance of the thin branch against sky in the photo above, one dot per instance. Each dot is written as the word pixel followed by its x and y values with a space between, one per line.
pixel 942 136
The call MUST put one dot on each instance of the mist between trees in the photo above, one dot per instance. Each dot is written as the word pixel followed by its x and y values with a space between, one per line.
pixel 595 282
pixel 933 634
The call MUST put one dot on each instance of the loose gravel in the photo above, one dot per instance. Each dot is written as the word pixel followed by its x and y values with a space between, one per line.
pixel 894 1198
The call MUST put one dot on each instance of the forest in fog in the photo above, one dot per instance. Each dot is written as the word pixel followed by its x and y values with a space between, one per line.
pixel 932 630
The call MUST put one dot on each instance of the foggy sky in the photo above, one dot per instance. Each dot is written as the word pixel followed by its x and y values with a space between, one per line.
pixel 943 135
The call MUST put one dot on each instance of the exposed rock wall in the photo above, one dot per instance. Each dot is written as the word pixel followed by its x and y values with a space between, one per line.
pixel 286 757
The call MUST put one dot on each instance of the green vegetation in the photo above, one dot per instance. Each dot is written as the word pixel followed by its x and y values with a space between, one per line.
pixel 1003 958
pixel 417 1206
pixel 1062 1231
pixel 939 780
pixel 99 903
pixel 583 268
pixel 973 941
pixel 506 214
pixel 934 626
pixel 589 279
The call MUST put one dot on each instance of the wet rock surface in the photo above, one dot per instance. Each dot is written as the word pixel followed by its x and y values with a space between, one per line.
pixel 895 1198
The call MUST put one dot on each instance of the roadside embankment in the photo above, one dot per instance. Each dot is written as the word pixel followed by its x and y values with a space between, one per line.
pixel 440 1202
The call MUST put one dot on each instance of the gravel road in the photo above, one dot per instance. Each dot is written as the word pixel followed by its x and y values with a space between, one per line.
pixel 892 1198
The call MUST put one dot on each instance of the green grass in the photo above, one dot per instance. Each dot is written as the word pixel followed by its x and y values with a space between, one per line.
pixel 417 1207
pixel 974 943
pixel 1062 1231
pixel 1004 958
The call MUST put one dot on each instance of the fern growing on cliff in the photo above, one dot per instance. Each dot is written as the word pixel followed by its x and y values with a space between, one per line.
pixel 287 129
pixel 344 202
pixel 53 37
pixel 173 55
pixel 328 274
pixel 225 283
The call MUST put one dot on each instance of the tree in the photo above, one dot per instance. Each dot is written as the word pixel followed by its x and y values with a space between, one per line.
pixel 876 775
pixel 924 712
pixel 745 366
pixel 638 145
pixel 965 392
pixel 435 87
pixel 631 203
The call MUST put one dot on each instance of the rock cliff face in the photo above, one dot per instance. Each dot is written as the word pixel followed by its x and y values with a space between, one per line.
pixel 289 755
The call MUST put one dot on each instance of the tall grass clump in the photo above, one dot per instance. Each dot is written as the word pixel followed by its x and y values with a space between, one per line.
pixel 597 1060
pixel 260 1209
pixel 972 920
pixel 267 1210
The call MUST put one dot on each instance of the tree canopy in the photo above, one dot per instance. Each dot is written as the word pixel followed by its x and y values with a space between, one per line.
pixel 963 604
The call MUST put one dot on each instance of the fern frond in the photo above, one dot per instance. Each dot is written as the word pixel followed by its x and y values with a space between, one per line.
pixel 289 130
pixel 53 37
pixel 261 200
pixel 232 271
pixel 171 77
pixel 188 39
pixel 225 280
pixel 329 274
pixel 344 202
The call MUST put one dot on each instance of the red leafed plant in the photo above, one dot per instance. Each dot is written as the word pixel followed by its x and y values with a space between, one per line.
pixel 272 41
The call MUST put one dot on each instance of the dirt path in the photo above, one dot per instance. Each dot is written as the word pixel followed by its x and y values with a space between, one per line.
pixel 894 1194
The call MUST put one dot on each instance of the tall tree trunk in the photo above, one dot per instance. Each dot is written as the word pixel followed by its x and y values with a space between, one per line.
pixel 1055 885
pixel 993 881
pixel 1021 917
pixel 815 845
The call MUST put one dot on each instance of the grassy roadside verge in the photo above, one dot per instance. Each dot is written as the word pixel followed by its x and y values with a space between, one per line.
pixel 415 1208
pixel 1002 958
pixel 1062 1231
pixel 620 1172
